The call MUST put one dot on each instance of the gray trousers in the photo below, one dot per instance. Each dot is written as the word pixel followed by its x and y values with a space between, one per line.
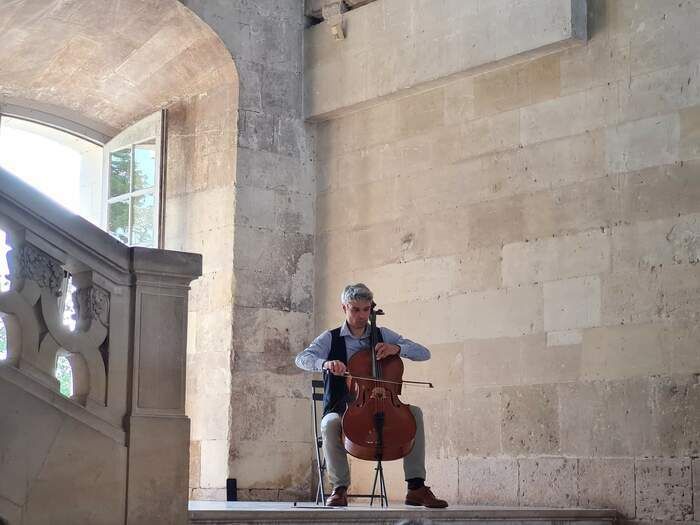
pixel 337 458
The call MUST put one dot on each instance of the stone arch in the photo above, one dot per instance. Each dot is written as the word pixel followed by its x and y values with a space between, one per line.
pixel 108 64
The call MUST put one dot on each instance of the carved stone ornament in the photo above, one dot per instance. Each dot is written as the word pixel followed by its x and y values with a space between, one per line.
pixel 41 268
pixel 92 303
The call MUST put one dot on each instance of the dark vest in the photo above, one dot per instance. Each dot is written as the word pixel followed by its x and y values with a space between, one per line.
pixel 335 389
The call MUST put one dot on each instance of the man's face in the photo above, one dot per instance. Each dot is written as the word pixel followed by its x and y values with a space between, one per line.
pixel 357 313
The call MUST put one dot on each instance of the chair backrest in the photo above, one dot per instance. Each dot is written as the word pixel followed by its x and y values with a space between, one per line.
pixel 317 389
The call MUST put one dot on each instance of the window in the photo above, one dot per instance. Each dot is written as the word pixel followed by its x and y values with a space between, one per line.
pixel 117 185
pixel 60 165
pixel 132 214
pixel 64 374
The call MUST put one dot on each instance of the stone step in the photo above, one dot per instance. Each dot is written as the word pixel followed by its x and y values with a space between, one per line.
pixel 282 513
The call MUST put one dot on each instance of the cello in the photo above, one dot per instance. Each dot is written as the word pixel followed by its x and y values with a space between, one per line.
pixel 376 425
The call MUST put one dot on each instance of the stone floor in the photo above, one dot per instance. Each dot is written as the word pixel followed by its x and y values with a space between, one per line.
pixel 249 512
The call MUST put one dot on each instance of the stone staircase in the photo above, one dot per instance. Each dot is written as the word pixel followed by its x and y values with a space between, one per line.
pixel 239 513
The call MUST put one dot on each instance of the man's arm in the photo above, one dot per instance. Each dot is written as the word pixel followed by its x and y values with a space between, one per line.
pixel 316 353
pixel 409 349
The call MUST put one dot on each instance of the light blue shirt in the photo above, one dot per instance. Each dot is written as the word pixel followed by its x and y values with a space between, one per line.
pixel 317 352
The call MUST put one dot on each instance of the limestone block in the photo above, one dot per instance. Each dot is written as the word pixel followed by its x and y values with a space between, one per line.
pixel 488 481
pixel 495 222
pixel 660 92
pixel 496 361
pixel 696 487
pixel 619 352
pixel 266 330
pixel 564 338
pixel 690 133
pixel 208 373
pixel 418 279
pixel 648 244
pixel 289 137
pixel 158 459
pixel 420 113
pixel 530 420
pixel 540 166
pixel 268 170
pixel 643 143
pixel 572 303
pixel 508 312
pixel 607 483
pixel 210 327
pixel 274 210
pixel 295 384
pixel 445 368
pixel 601 61
pixel 467 425
pixel 443 477
pixel 682 341
pixel 216 247
pixel 279 419
pixel 601 418
pixel 675 31
pixel 199 494
pixel 668 293
pixel 195 464
pixel 569 115
pixel 517 86
pixel 659 193
pixel 459 101
pixel 214 455
pixel 281 92
pixel 255 130
pixel 477 137
pixel 80 461
pixel 663 489
pixel 676 400
pixel 570 209
pixel 250 461
pixel 548 482
pixel 29 428
pixel 586 253
pixel 557 361
pixel 208 413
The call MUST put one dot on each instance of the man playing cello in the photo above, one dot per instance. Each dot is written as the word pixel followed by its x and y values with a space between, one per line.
pixel 330 352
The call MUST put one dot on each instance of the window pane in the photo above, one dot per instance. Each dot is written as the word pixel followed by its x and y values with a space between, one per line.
pixel 119 162
pixel 142 228
pixel 144 166
pixel 118 220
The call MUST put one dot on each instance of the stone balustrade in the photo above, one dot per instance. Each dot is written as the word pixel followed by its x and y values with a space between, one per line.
pixel 127 350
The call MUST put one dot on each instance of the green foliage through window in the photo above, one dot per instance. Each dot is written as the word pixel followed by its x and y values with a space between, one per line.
pixel 64 374
pixel 3 341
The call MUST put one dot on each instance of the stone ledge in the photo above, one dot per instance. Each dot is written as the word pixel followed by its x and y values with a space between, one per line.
pixel 415 52
pixel 219 512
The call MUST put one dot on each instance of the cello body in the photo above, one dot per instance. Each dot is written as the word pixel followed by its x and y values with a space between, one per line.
pixel 377 425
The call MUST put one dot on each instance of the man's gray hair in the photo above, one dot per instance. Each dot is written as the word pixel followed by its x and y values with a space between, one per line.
pixel 356 292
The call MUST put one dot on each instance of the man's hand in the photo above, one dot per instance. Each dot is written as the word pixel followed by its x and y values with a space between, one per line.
pixel 383 350
pixel 337 368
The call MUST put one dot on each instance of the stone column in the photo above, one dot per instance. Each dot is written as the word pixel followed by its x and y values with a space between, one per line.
pixel 158 429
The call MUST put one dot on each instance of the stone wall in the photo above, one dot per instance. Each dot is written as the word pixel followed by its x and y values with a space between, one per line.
pixel 272 250
pixel 537 227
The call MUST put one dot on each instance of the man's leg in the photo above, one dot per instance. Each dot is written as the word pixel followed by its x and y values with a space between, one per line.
pixel 414 463
pixel 414 469
pixel 334 451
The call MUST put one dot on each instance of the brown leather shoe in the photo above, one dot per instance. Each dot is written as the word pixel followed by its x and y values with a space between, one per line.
pixel 338 498
pixel 424 497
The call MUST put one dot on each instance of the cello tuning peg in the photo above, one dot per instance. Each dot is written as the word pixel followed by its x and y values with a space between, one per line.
pixel 379 312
